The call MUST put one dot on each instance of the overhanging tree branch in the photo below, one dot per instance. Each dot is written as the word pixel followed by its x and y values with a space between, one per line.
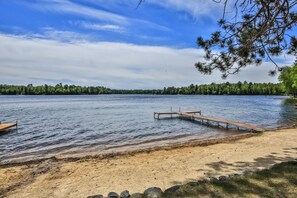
pixel 263 31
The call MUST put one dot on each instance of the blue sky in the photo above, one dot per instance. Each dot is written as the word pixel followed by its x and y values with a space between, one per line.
pixel 113 20
pixel 110 43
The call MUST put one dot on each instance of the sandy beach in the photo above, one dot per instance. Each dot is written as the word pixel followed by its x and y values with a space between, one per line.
pixel 161 168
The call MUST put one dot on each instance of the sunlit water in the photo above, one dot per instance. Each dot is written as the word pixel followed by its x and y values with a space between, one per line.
pixel 60 125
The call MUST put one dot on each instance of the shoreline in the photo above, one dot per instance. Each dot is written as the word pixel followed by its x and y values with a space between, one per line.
pixel 110 155
pixel 136 172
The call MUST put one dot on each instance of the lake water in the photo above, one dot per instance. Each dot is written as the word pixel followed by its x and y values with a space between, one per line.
pixel 67 125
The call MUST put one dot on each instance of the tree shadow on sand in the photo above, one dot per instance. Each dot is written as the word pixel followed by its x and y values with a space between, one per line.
pixel 220 168
pixel 29 175
pixel 217 168
pixel 279 181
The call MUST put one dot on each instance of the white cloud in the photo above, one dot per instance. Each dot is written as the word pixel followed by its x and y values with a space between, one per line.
pixel 49 33
pixel 196 8
pixel 105 27
pixel 116 65
pixel 65 36
pixel 66 6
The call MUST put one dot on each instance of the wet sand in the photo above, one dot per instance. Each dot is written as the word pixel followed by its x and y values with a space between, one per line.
pixel 137 171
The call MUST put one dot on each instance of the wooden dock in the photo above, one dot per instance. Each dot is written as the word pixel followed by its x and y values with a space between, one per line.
pixel 192 115
pixel 173 113
pixel 4 126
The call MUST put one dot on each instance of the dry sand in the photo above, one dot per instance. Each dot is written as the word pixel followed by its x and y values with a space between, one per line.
pixel 163 168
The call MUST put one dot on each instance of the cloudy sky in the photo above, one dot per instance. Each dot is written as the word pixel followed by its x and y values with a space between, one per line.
pixel 110 43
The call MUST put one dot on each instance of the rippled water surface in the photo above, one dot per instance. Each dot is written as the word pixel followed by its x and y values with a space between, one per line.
pixel 60 125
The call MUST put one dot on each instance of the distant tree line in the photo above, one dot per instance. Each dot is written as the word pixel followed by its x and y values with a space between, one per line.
pixel 227 88
pixel 59 89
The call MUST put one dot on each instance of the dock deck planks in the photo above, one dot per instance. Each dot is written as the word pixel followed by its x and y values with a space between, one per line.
pixel 175 112
pixel 229 122
pixel 5 126
pixel 193 115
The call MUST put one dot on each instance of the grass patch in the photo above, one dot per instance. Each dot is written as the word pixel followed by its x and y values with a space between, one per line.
pixel 290 101
pixel 279 181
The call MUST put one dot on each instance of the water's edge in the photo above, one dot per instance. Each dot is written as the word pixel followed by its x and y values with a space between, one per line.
pixel 78 127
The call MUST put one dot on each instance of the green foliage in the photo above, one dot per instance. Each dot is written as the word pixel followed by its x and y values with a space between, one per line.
pixel 59 89
pixel 259 29
pixel 288 78
pixel 228 89
pixel 211 89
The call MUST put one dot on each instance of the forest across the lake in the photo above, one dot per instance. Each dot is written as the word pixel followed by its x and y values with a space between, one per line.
pixel 240 88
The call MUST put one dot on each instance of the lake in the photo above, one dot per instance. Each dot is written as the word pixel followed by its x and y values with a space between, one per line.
pixel 71 125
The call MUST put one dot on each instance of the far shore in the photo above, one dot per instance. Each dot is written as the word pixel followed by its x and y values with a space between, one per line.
pixel 136 171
